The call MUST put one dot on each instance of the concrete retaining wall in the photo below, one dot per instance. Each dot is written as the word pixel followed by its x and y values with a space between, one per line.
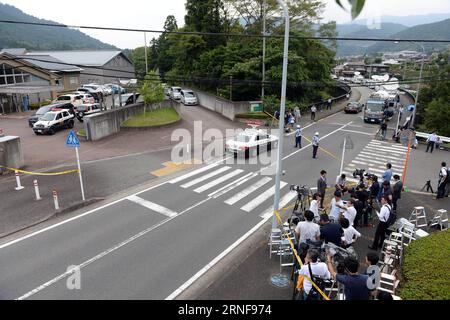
pixel 11 152
pixel 107 123
pixel 228 109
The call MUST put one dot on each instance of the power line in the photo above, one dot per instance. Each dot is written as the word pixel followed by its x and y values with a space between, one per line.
pixel 225 34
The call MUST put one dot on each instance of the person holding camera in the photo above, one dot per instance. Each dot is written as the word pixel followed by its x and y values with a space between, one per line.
pixel 341 184
pixel 355 284
pixel 383 216
pixel 307 230
pixel 316 271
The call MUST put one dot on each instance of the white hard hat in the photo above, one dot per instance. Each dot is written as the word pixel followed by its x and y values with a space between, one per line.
pixel 298 126
pixel 317 133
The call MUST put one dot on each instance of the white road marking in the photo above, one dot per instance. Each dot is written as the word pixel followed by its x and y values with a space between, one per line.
pixel 359 132
pixel 232 185
pixel 211 264
pixel 377 150
pixel 152 206
pixel 398 146
pixel 106 252
pixel 379 156
pixel 261 198
pixel 291 195
pixel 247 191
pixel 381 147
pixel 365 157
pixel 305 147
pixel 380 162
pixel 205 177
pixel 218 181
pixel 193 173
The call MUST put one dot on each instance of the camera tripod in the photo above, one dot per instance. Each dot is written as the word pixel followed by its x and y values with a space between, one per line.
pixel 428 186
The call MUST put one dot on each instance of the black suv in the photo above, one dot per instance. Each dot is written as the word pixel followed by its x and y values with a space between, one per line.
pixel 43 110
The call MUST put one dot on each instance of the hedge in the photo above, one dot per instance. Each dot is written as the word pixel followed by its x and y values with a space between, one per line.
pixel 252 115
pixel 426 268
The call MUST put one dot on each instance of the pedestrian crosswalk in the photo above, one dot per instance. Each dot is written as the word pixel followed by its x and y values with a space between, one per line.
pixel 248 191
pixel 374 157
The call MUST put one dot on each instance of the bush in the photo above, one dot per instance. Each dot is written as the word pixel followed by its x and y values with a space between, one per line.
pixel 34 106
pixel 426 272
pixel 252 115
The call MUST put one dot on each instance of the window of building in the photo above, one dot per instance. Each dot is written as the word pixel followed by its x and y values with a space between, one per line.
pixel 73 80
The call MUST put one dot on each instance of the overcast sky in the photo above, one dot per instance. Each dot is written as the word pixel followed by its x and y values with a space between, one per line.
pixel 151 14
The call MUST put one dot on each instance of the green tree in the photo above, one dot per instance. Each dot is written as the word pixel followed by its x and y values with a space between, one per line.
pixel 152 89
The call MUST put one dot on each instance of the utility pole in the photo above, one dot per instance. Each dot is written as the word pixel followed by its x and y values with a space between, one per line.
pixel 231 88
pixel 264 51
pixel 145 52
pixel 418 89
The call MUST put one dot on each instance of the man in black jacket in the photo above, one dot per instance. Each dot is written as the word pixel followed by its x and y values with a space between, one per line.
pixel 322 186
pixel 397 194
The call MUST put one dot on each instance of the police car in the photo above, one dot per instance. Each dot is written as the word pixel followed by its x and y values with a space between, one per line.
pixel 54 120
pixel 251 142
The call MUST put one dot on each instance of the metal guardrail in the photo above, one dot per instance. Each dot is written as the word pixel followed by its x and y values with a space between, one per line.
pixel 426 135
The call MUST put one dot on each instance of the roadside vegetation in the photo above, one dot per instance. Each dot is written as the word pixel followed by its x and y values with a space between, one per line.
pixel 157 117
pixel 425 271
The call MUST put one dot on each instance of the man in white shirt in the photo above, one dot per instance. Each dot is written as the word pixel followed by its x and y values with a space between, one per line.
pixel 443 179
pixel 350 212
pixel 383 216
pixel 313 113
pixel 307 230
pixel 432 139
pixel 315 144
pixel 341 183
pixel 336 206
pixel 350 233
pixel 314 207
pixel 318 270
pixel 298 137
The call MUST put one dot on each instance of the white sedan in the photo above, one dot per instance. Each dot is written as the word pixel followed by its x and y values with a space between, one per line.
pixel 251 142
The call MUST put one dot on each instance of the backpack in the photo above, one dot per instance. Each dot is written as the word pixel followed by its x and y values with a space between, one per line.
pixel 313 293
pixel 392 217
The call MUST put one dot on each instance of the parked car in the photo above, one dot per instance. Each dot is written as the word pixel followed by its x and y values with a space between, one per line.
pixel 52 121
pixel 88 108
pixel 251 142
pixel 91 92
pixel 188 97
pixel 108 90
pixel 167 90
pixel 86 97
pixel 116 89
pixel 127 99
pixel 73 98
pixel 353 107
pixel 42 111
pixel 175 93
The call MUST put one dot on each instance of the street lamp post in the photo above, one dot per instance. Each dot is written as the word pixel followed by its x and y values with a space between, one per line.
pixel 280 279
pixel 282 110
pixel 418 89
pixel 264 52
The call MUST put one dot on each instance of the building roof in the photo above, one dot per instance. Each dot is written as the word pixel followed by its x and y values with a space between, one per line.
pixel 15 51
pixel 96 58
pixel 49 63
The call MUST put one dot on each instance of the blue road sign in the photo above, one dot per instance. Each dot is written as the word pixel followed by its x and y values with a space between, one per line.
pixel 72 140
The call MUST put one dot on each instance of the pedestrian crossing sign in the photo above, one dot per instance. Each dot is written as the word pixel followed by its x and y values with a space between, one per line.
pixel 72 140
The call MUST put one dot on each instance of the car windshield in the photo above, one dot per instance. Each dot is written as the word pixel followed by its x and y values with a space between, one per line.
pixel 374 107
pixel 189 95
pixel 43 110
pixel 176 89
pixel 242 138
pixel 63 98
pixel 48 117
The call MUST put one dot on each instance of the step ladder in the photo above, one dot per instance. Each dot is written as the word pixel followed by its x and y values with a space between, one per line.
pixel 419 217
pixel 440 219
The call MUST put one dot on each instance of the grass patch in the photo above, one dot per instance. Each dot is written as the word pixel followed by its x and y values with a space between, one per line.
pixel 253 115
pixel 426 272
pixel 35 105
pixel 81 132
pixel 152 118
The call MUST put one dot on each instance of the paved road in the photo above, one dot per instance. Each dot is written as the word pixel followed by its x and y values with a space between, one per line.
pixel 147 244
